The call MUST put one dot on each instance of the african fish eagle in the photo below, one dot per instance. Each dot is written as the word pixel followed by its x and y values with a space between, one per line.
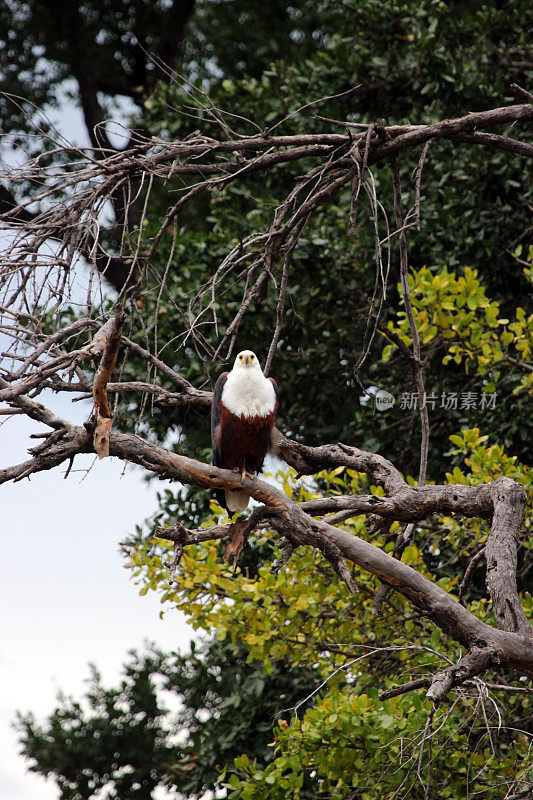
pixel 243 411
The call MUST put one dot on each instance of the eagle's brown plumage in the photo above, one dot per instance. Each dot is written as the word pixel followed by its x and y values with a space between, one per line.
pixel 243 413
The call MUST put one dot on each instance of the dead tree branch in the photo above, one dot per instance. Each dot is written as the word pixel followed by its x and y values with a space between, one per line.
pixel 511 644
pixel 44 349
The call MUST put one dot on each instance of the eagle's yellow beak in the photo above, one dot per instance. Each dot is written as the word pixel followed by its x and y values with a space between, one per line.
pixel 247 358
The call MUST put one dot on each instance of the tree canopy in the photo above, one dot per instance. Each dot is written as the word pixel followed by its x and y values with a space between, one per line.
pixel 128 741
pixel 342 188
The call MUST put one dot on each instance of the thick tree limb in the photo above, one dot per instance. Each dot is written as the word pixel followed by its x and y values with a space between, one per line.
pixel 508 503
pixel 512 646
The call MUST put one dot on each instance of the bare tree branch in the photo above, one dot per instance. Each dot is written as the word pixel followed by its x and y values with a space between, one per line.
pixel 44 248
pixel 513 645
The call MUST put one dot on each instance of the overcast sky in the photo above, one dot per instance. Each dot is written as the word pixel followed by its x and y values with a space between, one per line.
pixel 66 598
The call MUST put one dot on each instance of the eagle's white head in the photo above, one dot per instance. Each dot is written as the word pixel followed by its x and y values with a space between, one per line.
pixel 247 392
pixel 247 360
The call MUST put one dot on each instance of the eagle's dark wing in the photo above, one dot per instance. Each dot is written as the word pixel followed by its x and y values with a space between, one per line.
pixel 216 458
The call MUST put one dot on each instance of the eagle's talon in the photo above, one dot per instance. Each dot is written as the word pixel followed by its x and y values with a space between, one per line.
pixel 245 474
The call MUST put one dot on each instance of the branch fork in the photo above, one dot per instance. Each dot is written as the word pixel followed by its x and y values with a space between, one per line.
pixel 477 660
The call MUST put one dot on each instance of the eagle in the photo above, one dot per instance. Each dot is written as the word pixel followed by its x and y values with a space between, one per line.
pixel 243 411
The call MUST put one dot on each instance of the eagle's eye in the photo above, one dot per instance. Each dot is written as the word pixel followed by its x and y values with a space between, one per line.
pixel 241 357
pixel 251 358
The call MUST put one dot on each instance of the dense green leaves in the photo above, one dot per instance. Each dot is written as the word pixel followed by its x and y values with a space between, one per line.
pixel 348 738
pixel 456 316
pixel 175 720
pixel 116 740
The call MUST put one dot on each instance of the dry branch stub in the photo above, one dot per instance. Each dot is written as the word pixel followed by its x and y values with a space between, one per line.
pixel 106 341
pixel 238 534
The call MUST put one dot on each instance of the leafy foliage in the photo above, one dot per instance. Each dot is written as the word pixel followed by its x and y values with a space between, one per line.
pixel 456 310
pixel 349 739
pixel 126 741
pixel 118 743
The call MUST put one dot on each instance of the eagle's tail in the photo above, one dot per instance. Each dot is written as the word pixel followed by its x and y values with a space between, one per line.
pixel 236 502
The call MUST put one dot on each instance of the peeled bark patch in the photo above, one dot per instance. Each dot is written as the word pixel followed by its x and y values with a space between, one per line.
pixel 101 436
pixel 110 334
pixel 96 347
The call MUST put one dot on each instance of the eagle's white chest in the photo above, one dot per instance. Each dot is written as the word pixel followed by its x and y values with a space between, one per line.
pixel 247 393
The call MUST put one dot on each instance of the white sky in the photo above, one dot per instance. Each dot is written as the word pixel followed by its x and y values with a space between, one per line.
pixel 66 598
